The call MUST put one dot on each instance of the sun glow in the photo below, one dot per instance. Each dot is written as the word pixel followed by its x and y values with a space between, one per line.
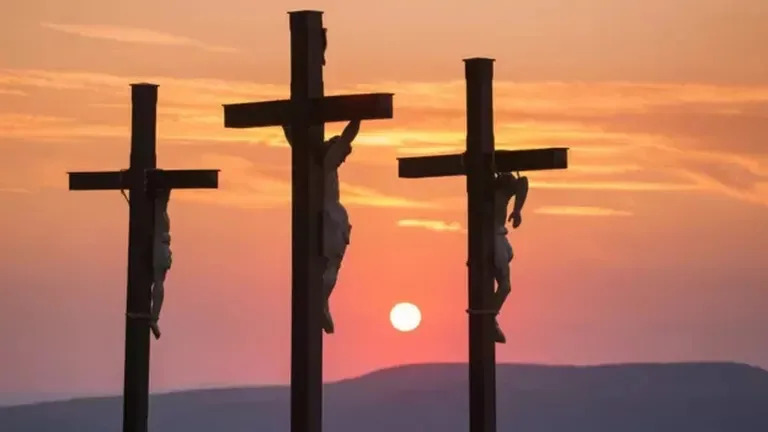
pixel 405 317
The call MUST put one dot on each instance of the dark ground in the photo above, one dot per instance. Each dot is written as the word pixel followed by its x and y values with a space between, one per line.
pixel 695 397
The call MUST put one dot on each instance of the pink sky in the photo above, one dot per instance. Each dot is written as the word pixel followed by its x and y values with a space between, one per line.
pixel 647 249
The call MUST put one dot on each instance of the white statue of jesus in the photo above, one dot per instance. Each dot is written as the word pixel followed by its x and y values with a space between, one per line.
pixel 506 186
pixel 161 256
pixel 336 226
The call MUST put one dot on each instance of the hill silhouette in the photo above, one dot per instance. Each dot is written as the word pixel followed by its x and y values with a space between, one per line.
pixel 676 397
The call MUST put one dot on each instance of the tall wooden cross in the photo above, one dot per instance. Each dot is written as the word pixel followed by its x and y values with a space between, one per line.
pixel 480 163
pixel 142 179
pixel 306 112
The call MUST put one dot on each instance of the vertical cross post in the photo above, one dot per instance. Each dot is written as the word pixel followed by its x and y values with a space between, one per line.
pixel 140 236
pixel 306 218
pixel 480 163
pixel 142 179
pixel 479 160
pixel 306 113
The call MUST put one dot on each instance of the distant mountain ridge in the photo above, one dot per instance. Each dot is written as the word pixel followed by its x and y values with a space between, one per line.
pixel 670 397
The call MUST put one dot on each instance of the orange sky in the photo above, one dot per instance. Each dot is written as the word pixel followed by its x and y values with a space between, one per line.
pixel 647 249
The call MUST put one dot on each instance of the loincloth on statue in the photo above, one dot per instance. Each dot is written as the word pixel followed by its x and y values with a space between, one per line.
pixel 335 241
pixel 162 257
pixel 336 231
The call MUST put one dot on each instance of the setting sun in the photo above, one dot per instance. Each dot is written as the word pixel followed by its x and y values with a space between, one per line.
pixel 405 317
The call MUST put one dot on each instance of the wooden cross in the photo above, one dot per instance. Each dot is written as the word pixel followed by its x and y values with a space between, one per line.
pixel 306 112
pixel 142 179
pixel 480 163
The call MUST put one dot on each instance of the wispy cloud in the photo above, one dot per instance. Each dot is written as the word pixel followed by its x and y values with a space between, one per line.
pixel 429 150
pixel 368 197
pixel 432 225
pixel 12 92
pixel 739 176
pixel 754 189
pixel 581 211
pixel 12 190
pixel 134 35
pixel 54 128
pixel 605 169
pixel 618 186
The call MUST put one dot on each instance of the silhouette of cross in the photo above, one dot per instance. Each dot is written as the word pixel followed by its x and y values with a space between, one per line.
pixel 142 179
pixel 306 113
pixel 480 163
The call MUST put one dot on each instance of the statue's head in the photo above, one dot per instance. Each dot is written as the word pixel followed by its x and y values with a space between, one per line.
pixel 163 195
pixel 505 179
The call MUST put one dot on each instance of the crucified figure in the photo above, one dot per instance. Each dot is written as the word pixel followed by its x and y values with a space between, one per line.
pixel 336 227
pixel 506 186
pixel 161 256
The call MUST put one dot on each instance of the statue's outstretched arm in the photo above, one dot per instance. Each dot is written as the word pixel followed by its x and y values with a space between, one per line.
pixel 517 187
pixel 350 132
pixel 339 148
pixel 521 193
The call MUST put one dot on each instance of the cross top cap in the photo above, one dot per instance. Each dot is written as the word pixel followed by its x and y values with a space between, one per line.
pixel 479 60
pixel 305 11
pixel 144 84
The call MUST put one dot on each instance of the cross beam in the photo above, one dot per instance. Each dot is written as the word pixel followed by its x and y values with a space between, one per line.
pixel 156 179
pixel 306 112
pixel 480 163
pixel 142 179
pixel 504 161
pixel 321 110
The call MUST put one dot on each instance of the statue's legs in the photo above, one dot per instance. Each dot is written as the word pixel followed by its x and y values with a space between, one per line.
pixel 330 276
pixel 502 258
pixel 161 266
pixel 336 241
pixel 158 294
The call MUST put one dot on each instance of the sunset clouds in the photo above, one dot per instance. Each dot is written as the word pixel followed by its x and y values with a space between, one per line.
pixel 623 136
pixel 432 225
pixel 581 211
